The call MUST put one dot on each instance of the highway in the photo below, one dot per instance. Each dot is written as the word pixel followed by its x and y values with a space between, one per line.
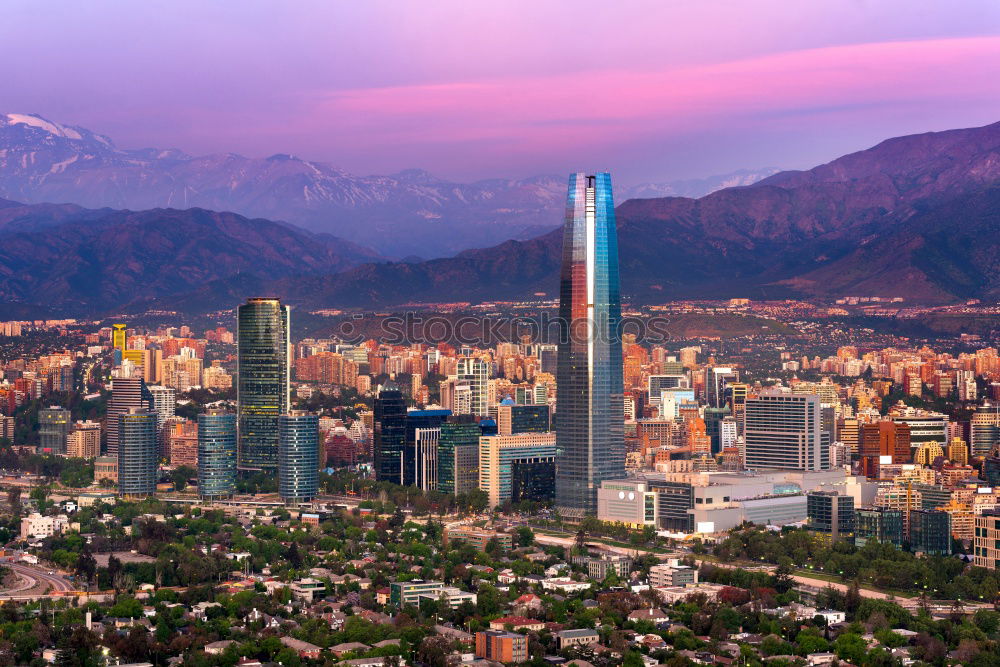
pixel 35 582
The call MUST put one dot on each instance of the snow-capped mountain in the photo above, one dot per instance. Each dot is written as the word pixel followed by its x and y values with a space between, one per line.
pixel 411 213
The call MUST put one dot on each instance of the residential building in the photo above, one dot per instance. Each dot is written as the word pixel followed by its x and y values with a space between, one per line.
pixel 505 647
pixel 830 513
pixel 137 460
pixel 986 540
pixel 84 441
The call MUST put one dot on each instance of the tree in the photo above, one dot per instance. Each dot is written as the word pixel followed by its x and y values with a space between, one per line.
pixel 180 476
pixel 525 536
pixel 633 659
pixel 86 565
pixel 850 647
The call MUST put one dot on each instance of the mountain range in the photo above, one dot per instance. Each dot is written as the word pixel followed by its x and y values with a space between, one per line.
pixel 411 213
pixel 915 216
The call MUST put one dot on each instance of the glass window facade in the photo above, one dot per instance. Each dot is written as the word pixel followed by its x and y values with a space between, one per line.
pixel 390 434
pixel 216 454
pixel 298 456
pixel 137 446
pixel 458 457
pixel 589 407
pixel 263 387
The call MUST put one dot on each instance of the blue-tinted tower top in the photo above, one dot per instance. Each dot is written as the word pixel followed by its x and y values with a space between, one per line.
pixel 589 409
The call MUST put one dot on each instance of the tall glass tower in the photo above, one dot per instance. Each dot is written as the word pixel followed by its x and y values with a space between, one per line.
pixel 589 400
pixel 216 454
pixel 137 447
pixel 263 391
pixel 298 456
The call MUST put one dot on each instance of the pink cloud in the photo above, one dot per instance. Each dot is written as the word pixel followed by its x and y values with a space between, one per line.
pixel 609 106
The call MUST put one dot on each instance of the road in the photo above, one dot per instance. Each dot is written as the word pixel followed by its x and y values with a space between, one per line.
pixel 35 582
pixel 552 540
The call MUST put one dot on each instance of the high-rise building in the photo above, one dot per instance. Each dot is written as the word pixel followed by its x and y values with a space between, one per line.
pixel 127 393
pixel 717 379
pixel 985 429
pixel 118 338
pixel 216 454
pixel 476 374
pixel 522 418
pixel 84 440
pixel 263 390
pixel 389 434
pixel 458 456
pixel 298 456
pixel 54 424
pixel 784 431
pixel 420 447
pixel 986 542
pixel 589 399
pixel 137 452
pixel 498 454
pixel 164 402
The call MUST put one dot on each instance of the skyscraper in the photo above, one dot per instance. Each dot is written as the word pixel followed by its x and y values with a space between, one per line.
pixel 298 456
pixel 216 454
pixel 476 374
pixel 126 393
pixel 263 390
pixel 390 434
pixel 589 398
pixel 137 452
pixel 164 402
pixel 785 431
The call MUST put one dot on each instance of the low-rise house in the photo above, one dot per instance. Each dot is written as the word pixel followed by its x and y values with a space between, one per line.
pixel 302 649
pixel 340 650
pixel 219 647
pixel 577 637
pixel 654 616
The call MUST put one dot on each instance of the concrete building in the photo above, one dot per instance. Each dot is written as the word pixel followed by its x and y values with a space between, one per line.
pixel 39 527
pixel 84 441
pixel 830 513
pixel 784 430
pixel 54 424
pixel 986 540
pixel 137 460
pixel 672 573
pixel 500 646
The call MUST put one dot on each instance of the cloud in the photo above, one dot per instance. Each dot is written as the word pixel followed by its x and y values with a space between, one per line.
pixel 607 107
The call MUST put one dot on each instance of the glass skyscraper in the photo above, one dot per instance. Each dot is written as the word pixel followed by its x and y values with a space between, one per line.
pixel 137 445
pixel 263 389
pixel 216 454
pixel 390 434
pixel 298 456
pixel 590 437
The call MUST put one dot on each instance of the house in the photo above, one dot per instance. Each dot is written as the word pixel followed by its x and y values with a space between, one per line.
pixel 386 642
pixel 301 648
pixel 529 602
pixel 565 584
pixel 654 616
pixel 307 588
pixel 517 623
pixel 200 610
pixel 340 650
pixel 219 647
pixel 578 637
pixel 818 659
pixel 382 596
pixel 364 662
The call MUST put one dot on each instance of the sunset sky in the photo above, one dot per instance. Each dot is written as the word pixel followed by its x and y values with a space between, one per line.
pixel 648 90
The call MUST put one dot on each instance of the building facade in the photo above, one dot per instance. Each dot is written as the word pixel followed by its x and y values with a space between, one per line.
pixel 263 389
pixel 298 456
pixel 216 454
pixel 590 394
pixel 785 431
pixel 137 447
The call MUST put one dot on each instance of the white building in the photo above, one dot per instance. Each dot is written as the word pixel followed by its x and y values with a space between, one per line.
pixel 40 527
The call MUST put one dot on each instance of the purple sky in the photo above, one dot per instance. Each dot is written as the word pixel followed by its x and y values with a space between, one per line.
pixel 649 90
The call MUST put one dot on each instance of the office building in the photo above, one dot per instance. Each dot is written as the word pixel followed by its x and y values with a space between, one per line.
pixel 263 390
pixel 127 393
pixel 830 513
pixel 930 532
pixel 589 398
pixel 784 431
pixel 883 439
pixel 530 418
pixel 118 340
pixel 137 459
pixel 425 454
pixel 389 434
pixel 216 454
pixel 458 456
pixel 474 374
pixel 499 453
pixel 882 524
pixel 420 440
pixel 54 424
pixel 84 441
pixel 924 426
pixel 298 456
pixel 532 480
pixel 717 380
